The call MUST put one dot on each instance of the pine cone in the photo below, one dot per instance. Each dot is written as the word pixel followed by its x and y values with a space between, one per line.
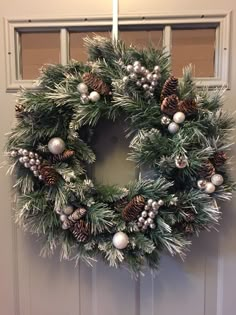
pixel 207 170
pixel 49 175
pixel 77 214
pixel 63 156
pixel 219 158
pixel 120 204
pixel 188 107
pixel 133 208
pixel 67 224
pixel 170 87
pixel 95 83
pixel 169 105
pixel 80 230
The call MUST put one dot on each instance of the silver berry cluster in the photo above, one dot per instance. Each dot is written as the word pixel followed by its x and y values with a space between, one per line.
pixel 149 213
pixel 144 78
pixel 86 96
pixel 173 125
pixel 210 186
pixel 69 215
pixel 29 160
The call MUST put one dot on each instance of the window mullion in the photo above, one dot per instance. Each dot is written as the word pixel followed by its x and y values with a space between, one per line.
pixel 64 46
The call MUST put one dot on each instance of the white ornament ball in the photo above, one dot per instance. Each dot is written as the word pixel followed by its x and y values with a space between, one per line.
pixel 155 205
pixel 173 127
pixel 149 202
pixel 36 173
pixel 137 69
pixel 133 76
pixel 143 69
pixel 146 207
pixel 94 96
pixel 150 220
pixel 160 202
pixel 179 117
pixel 68 210
pixel 21 159
pixel 37 162
pixel 82 88
pixel 141 220
pixel 154 83
pixel 14 153
pixel 139 83
pixel 155 77
pixel 120 240
pixel 153 226
pixel 143 80
pixel 32 161
pixel 40 177
pixel 146 87
pixel 149 77
pixel 26 165
pixel 210 188
pixel 56 145
pixel 217 179
pixel 33 168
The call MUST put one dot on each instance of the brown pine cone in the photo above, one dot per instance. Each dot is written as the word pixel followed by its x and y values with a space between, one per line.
pixel 49 175
pixel 169 87
pixel 219 158
pixel 81 231
pixel 133 208
pixel 120 204
pixel 207 170
pixel 63 156
pixel 77 214
pixel 95 83
pixel 188 107
pixel 169 105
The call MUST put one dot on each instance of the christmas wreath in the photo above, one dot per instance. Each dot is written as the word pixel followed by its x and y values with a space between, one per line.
pixel 179 133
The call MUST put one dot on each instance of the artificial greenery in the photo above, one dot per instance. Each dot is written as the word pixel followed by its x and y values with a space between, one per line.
pixel 55 109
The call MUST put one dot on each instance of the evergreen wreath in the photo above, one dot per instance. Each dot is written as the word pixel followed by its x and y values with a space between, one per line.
pixel 178 132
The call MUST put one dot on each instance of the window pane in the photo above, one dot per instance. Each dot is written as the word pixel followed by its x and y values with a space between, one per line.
pixel 38 49
pixel 195 46
pixel 142 38
pixel 77 49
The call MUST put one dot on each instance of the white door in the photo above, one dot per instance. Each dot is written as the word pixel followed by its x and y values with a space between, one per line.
pixel 30 285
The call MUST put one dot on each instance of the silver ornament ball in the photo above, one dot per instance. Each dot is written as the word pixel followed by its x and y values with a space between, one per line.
pixel 40 177
pixel 217 179
pixel 201 183
pixel 82 88
pixel 143 80
pixel 155 205
pixel 150 220
pixel 84 99
pixel 141 220
pixel 139 83
pixel 173 128
pixel 151 215
pixel 125 79
pixel 165 120
pixel 56 145
pixel 32 161
pixel 145 87
pixel 146 223
pixel 25 152
pixel 149 77
pixel 13 153
pixel 133 76
pixel 146 207
pixel 120 240
pixel 154 83
pixel 25 159
pixel 36 155
pixel 36 173
pixel 179 117
pixel 153 226
pixel 137 69
pixel 210 188
pixel 33 168
pixel 155 77
pixel 160 202
pixel 20 151
pixel 37 162
pixel 137 63
pixel 157 69
pixel 144 214
pixel 129 68
pixel 149 202
pixel 31 155
pixel 143 69
pixel 21 159
pixel 26 165
pixel 94 96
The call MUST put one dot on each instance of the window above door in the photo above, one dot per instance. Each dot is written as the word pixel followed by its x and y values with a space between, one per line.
pixel 198 39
